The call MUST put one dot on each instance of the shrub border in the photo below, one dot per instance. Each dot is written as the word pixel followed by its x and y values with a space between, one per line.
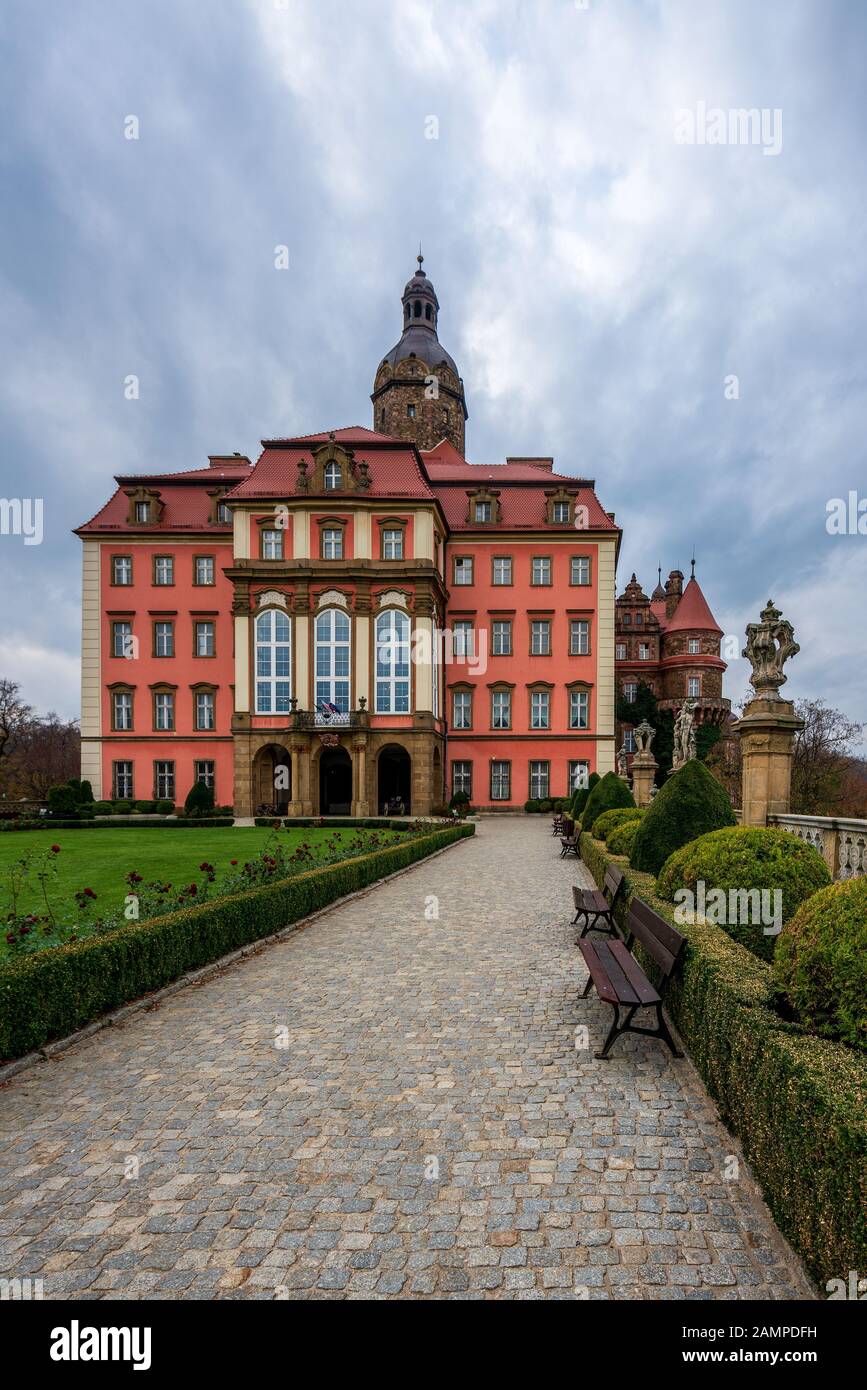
pixel 52 994
pixel 797 1102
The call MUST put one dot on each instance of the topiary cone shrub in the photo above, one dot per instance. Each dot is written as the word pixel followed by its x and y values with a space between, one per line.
pixel 691 803
pixel 745 860
pixel 579 798
pixel 610 792
pixel 200 800
pixel 622 837
pixel 820 963
pixel 610 820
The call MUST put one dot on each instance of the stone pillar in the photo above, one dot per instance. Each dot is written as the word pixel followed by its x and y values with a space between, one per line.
pixel 644 767
pixel 295 804
pixel 361 805
pixel 766 731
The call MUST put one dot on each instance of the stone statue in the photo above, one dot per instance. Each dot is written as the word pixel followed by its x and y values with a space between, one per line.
pixel 770 643
pixel 644 736
pixel 684 735
pixel 621 762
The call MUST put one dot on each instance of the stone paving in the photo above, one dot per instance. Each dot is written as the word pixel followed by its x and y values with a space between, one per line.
pixel 386 1106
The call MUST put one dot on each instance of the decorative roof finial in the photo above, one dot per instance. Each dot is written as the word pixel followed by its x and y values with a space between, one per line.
pixel 693 563
pixel 420 259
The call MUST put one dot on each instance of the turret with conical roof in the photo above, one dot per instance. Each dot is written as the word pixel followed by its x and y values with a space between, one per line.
pixel 418 394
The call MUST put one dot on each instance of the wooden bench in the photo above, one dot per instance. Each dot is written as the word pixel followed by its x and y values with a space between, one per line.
pixel 620 980
pixel 569 839
pixel 557 823
pixel 595 907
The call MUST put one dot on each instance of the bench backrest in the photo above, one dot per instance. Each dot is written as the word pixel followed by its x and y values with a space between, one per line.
pixel 568 825
pixel 613 883
pixel 662 942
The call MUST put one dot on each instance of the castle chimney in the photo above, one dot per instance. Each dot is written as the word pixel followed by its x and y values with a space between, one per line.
pixel 673 592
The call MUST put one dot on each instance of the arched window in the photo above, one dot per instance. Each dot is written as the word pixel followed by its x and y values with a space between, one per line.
pixel 392 662
pixel 428 311
pixel 418 308
pixel 332 476
pixel 273 662
pixel 332 659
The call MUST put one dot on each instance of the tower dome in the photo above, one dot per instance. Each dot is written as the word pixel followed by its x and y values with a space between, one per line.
pixel 418 393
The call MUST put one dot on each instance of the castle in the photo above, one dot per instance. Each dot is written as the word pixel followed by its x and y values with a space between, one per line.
pixel 361 619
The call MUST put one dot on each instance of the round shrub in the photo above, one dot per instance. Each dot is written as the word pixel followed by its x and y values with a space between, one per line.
pixel 62 801
pixel 622 837
pixel 820 963
pixel 102 808
pixel 743 859
pixel 609 820
pixel 531 806
pixel 610 792
pixel 121 808
pixel 691 803
pixel 165 808
pixel 200 800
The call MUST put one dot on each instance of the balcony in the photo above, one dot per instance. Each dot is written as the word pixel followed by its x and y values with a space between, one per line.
pixel 321 719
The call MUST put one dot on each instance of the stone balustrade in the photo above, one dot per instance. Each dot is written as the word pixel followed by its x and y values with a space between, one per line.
pixel 842 843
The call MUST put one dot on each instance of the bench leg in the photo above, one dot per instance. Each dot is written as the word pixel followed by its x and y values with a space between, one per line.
pixel 587 988
pixel 664 1031
pixel 616 1029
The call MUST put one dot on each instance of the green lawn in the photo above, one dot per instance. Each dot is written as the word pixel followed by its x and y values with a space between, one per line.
pixel 101 859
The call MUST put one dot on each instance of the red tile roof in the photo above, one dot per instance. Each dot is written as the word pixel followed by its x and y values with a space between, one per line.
pixel 394 468
pixel 692 612
pixel 184 509
pixel 522 485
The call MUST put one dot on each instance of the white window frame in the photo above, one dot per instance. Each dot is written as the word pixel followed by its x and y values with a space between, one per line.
pixel 164 638
pixel 122 711
pixel 462 776
pixel 164 570
pixel 332 477
pixel 540 565
pixel 579 709
pixel 462 709
pixel 560 513
pixel 206 563
pixel 164 711
pixel 540 637
pixel 202 774
pixel 644 651
pixel 332 542
pixel 164 781
pixel 500 779
pixel 693 693
pixel 578 773
pixel 540 709
pixel 392 658
pixel 579 566
pixel 121 563
pixel 620 651
pixel 123 775
pixel 463 639
pixel 332 651
pixel 462 570
pixel 272 661
pixel 209 635
pixel 693 646
pixel 272 544
pixel 540 779
pixel 392 543
pixel 501 629
pixel 206 711
pixel 579 637
pixel 630 692
pixel 501 572
pixel 501 709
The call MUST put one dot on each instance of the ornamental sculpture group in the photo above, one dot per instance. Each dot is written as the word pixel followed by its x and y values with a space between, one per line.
pixel 766 729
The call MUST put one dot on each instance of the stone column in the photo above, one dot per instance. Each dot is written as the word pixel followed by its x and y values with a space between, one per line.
pixel 295 804
pixel 361 806
pixel 644 767
pixel 766 731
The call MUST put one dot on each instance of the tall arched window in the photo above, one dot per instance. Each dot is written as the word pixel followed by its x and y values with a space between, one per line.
pixel 273 662
pixel 392 662
pixel 332 476
pixel 332 659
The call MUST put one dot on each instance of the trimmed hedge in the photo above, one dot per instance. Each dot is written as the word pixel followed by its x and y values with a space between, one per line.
pixel 820 963
pixel 51 993
pixel 622 837
pixel 608 793
pixel 130 823
pixel 691 803
pixel 609 820
pixel 741 859
pixel 797 1102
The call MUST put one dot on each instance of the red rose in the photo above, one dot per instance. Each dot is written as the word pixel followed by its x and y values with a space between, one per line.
pixel 55 849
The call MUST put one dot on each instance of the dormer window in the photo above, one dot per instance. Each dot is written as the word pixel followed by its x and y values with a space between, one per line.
pixel 483 507
pixel 143 512
pixel 561 512
pixel 224 513
pixel 332 477
pixel 559 507
pixel 484 511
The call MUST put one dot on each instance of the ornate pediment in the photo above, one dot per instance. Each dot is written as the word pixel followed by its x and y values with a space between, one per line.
pixel 394 598
pixel 331 598
pixel 272 599
pixel 333 469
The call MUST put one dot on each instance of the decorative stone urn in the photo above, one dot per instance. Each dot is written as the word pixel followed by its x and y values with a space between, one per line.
pixel 768 724
pixel 644 765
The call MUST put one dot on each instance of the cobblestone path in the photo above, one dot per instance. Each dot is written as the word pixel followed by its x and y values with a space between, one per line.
pixel 384 1105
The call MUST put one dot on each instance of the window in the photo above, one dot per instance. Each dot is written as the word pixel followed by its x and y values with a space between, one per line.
pixel 540 709
pixel 121 569
pixel 410 410
pixel 205 639
pixel 164 639
pixel 164 569
pixel 224 513
pixel 579 774
pixel 484 511
pixel 143 512
pixel 630 692
pixel 463 640
pixel 205 709
pixel 502 569
pixel 540 569
pixel 462 709
pixel 204 772
pixel 501 637
pixel 579 709
pixel 463 569
pixel 540 778
pixel 501 709
pixel 629 740
pixel 560 512
pixel 332 543
pixel 580 569
pixel 644 651
pixel 332 477
pixel 693 646
pixel 332 659
pixel 693 688
pixel 122 640
pixel 203 570
pixel 121 712
pixel 164 781
pixel 639 620
pixel 164 710
pixel 579 637
pixel 462 778
pixel 392 544
pixel 121 778
pixel 392 662
pixel 620 651
pixel 273 662
pixel 501 781
pixel 272 545
pixel 540 637
pixel 627 620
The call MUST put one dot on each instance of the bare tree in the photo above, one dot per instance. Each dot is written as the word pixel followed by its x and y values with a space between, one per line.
pixel 15 716
pixel 48 752
pixel 823 759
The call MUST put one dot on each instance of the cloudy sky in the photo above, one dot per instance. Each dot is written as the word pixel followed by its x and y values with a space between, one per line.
pixel 601 281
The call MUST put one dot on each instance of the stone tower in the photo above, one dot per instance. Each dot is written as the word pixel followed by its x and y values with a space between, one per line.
pixel 418 394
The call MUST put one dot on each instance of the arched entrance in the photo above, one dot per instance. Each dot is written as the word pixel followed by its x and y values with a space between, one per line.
pixel 335 782
pixel 272 780
pixel 394 780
